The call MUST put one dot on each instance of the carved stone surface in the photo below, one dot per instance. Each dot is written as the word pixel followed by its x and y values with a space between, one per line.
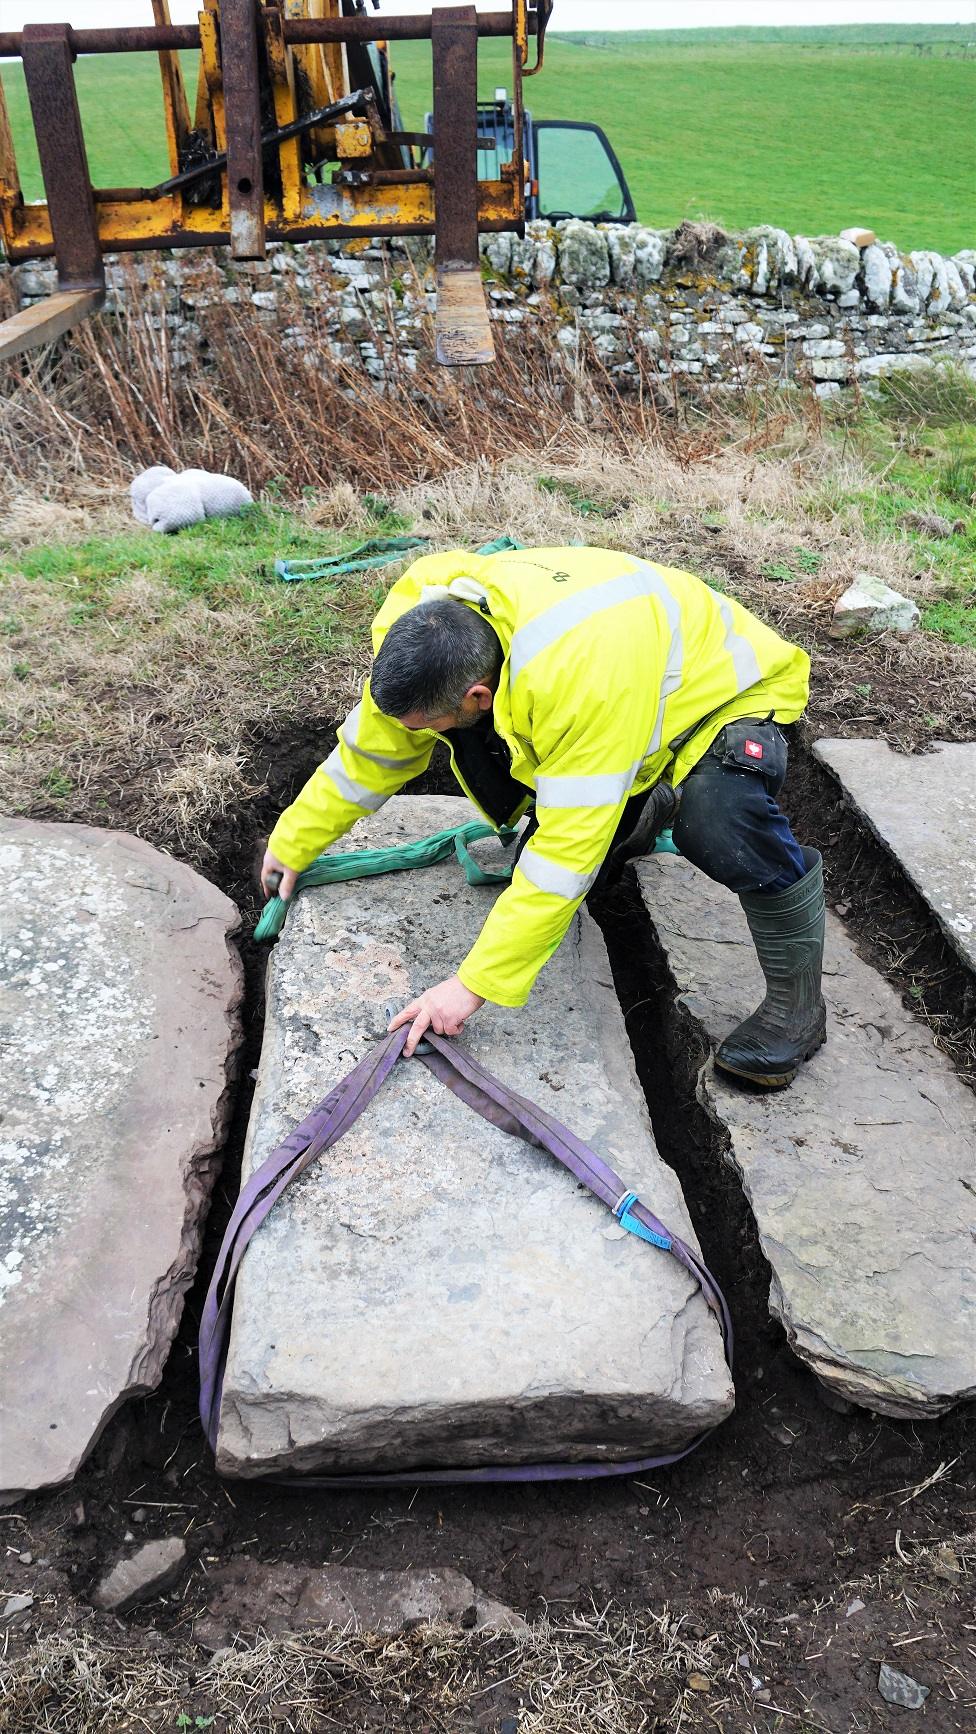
pixel 433 1291
pixel 118 1023
pixel 861 1176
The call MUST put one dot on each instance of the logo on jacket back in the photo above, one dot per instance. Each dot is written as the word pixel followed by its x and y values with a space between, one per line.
pixel 753 749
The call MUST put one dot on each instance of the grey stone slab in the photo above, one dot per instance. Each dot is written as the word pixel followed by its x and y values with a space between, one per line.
pixel 250 1594
pixel 432 1291
pixel 923 808
pixel 118 1024
pixel 861 1176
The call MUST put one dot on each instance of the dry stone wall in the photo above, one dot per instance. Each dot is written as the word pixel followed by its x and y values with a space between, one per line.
pixel 692 301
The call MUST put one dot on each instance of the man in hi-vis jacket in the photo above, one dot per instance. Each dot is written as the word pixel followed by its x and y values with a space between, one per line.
pixel 612 696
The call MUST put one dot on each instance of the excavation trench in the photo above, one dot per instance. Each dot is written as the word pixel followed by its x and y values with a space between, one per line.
pixel 784 1496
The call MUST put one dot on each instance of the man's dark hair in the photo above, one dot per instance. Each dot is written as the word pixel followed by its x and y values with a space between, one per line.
pixel 431 656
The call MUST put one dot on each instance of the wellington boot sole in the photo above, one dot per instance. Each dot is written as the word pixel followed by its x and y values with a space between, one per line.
pixel 773 1080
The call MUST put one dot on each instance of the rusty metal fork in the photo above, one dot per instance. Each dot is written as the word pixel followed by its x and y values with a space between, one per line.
pixel 462 333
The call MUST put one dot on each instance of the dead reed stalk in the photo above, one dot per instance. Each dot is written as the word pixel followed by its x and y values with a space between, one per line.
pixel 273 397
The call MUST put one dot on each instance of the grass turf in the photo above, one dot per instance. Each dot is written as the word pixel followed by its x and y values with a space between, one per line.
pixel 151 662
pixel 830 127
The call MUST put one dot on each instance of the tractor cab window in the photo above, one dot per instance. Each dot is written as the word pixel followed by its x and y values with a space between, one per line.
pixel 579 175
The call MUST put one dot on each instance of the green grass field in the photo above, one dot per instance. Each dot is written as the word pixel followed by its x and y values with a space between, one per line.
pixel 810 129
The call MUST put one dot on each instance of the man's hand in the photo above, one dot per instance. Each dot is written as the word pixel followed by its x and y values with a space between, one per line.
pixel 285 885
pixel 445 1008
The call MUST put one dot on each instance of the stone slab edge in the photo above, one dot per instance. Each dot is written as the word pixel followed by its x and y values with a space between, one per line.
pixel 820 752
pixel 201 1164
pixel 690 1055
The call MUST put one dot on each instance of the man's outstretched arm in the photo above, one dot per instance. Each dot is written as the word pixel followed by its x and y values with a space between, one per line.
pixel 373 758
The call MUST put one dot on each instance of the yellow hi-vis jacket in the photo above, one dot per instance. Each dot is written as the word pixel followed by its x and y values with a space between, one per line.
pixel 615 671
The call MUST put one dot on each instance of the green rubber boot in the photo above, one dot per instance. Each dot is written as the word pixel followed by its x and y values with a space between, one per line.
pixel 787 928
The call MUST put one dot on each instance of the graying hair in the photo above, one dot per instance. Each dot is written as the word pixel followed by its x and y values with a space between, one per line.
pixel 431 656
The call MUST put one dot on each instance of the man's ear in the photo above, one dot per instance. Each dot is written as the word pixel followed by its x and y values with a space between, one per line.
pixel 483 696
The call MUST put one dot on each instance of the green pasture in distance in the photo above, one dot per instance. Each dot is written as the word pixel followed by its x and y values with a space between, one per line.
pixel 814 130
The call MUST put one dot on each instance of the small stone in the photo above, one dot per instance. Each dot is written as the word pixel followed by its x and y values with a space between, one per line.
pixel 15 1605
pixel 698 1683
pixel 150 1571
pixel 837 264
pixel 945 1563
pixel 877 272
pixel 931 524
pixel 26 1558
pixel 782 1435
pixel 870 605
pixel 763 1695
pixel 855 1607
pixel 896 1688
pixel 79 1516
pixel 859 237
pixel 584 260
pixel 140 1514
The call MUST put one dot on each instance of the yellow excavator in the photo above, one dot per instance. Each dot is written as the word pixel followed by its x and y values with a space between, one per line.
pixel 293 135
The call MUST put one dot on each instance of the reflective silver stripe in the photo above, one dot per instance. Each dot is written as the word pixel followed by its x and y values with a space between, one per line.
pixel 670 681
pixel 350 791
pixel 547 875
pixel 544 630
pixel 351 728
pixel 599 791
pixel 744 659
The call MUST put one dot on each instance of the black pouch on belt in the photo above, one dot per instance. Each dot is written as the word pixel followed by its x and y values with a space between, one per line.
pixel 751 745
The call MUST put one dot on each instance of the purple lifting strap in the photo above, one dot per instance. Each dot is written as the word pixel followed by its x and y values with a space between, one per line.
pixel 327 1123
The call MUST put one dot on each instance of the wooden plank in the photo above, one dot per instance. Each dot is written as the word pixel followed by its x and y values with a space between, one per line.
pixel 45 320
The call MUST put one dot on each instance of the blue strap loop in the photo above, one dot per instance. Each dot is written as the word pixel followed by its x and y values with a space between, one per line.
pixel 625 1216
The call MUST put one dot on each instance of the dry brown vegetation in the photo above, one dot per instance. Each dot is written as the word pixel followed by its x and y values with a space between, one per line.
pixel 734 1667
pixel 138 679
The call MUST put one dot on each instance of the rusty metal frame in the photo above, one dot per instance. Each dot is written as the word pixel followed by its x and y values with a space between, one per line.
pixel 148 38
pixel 261 58
pixel 462 333
pixel 51 91
pixel 242 109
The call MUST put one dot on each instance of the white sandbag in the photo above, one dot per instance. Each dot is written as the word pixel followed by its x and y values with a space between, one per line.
pixel 175 505
pixel 222 496
pixel 143 485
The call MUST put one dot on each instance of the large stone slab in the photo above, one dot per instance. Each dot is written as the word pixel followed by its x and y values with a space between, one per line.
pixel 861 1176
pixel 433 1292
pixel 118 1001
pixel 923 808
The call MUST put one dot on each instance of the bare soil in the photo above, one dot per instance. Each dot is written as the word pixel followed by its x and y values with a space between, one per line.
pixel 756 1546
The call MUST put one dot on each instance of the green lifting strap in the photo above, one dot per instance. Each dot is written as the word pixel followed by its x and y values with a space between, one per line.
pixel 361 863
pixel 380 551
